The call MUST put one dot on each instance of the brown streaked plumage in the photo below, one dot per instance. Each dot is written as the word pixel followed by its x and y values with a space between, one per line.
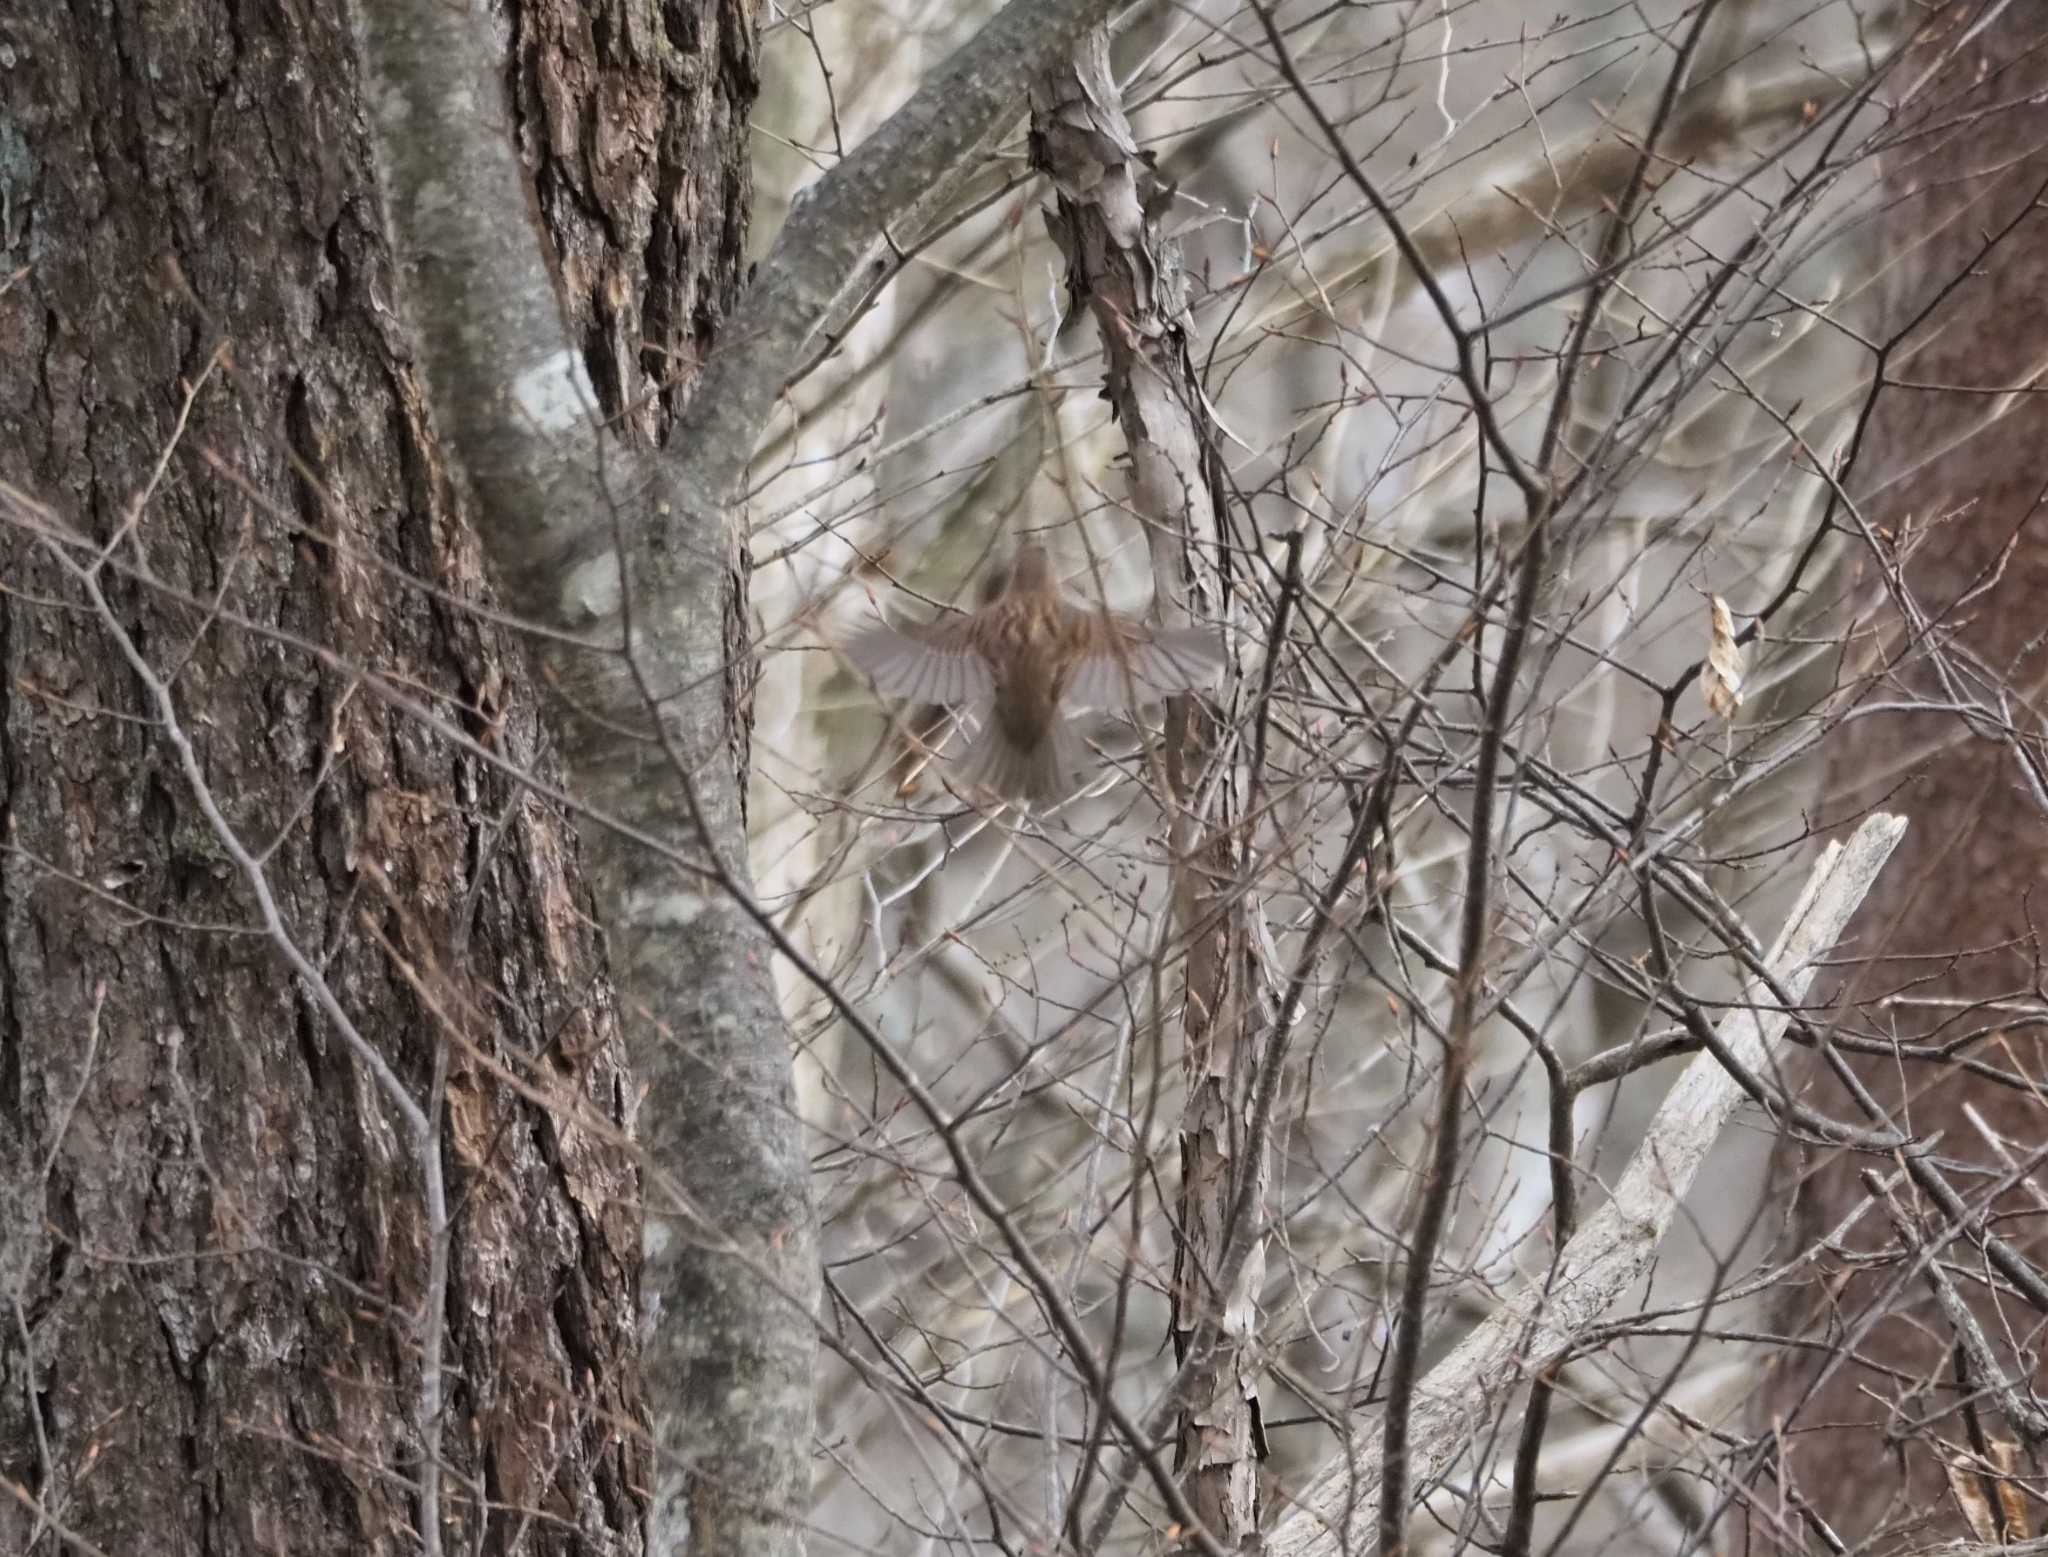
pixel 1023 662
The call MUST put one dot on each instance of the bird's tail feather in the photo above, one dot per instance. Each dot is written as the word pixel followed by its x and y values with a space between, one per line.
pixel 1039 774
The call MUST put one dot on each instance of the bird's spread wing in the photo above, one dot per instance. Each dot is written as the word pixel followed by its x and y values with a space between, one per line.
pixel 1140 666
pixel 936 664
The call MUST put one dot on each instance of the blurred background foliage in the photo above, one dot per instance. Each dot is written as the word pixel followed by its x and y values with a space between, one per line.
pixel 1026 971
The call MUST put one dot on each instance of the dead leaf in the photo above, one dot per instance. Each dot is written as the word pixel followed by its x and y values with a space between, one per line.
pixel 1969 1493
pixel 1721 676
pixel 2005 1454
pixel 1967 1479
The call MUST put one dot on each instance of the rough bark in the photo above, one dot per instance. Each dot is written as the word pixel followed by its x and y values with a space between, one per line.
pixel 213 1246
pixel 644 590
pixel 1130 275
pixel 1956 918
pixel 635 564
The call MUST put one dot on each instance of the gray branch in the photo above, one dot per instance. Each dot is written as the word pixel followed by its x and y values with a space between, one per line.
pixel 630 566
pixel 842 231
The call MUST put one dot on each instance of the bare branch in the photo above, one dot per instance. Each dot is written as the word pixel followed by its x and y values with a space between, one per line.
pixel 1340 1512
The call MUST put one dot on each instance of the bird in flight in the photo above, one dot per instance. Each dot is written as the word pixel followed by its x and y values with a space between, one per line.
pixel 1022 664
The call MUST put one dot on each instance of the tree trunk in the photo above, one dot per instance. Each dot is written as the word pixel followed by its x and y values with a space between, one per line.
pixel 1954 921
pixel 215 1240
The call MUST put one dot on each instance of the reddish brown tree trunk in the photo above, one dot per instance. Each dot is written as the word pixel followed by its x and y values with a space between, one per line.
pixel 212 1243
pixel 1953 925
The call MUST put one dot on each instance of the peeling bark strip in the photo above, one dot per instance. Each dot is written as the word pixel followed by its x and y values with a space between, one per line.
pixel 1132 277
pixel 1340 1513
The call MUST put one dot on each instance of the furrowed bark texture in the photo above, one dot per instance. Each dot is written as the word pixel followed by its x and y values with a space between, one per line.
pixel 212 1242
pixel 1131 277
pixel 1957 919
pixel 635 562
pixel 632 124
pixel 588 538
